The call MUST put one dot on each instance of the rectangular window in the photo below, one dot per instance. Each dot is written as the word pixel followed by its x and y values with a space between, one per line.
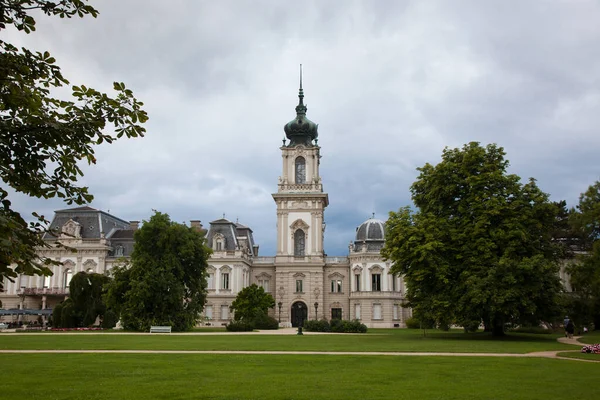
pixel 299 286
pixel 225 280
pixel 377 311
pixel 357 311
pixel 224 312
pixel 46 281
pixel 376 282
pixel 357 283
pixel 210 281
pixel 264 283
pixel 336 286
pixel 219 246
pixel 395 312
pixel 208 312
pixel 394 288
pixel 336 313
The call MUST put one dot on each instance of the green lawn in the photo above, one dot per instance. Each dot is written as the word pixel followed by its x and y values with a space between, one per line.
pixel 112 376
pixel 382 340
pixel 582 356
pixel 591 337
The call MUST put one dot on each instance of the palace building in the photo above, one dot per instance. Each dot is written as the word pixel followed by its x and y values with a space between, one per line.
pixel 305 283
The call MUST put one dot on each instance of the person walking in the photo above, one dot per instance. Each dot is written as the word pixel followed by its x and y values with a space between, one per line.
pixel 565 323
pixel 570 329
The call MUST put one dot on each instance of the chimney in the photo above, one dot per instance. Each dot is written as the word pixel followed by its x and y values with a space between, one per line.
pixel 134 225
pixel 255 247
pixel 196 225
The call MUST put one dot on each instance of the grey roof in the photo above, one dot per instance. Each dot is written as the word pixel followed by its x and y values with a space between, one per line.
pixel 371 230
pixel 232 232
pixel 93 222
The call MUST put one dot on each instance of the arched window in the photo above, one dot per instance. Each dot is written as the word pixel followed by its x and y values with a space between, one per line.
pixel 300 170
pixel 68 277
pixel 299 242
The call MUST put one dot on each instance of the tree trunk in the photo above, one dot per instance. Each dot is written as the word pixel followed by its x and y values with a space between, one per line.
pixel 498 327
pixel 597 322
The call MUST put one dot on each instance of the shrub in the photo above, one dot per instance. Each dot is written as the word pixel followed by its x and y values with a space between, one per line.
pixel 264 321
pixel 336 325
pixel 471 326
pixel 317 326
pixel 354 326
pixel 412 323
pixel 239 326
pixel 56 316
pixel 109 320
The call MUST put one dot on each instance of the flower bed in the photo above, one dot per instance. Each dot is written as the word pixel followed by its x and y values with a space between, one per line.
pixel 75 329
pixel 591 349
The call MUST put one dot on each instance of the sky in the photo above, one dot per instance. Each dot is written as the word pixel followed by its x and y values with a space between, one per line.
pixel 390 83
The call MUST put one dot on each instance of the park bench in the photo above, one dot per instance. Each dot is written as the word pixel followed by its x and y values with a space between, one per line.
pixel 160 329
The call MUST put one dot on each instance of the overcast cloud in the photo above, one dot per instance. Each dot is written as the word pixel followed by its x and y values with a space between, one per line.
pixel 390 83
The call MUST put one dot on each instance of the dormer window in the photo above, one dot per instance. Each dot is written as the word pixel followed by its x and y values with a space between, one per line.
pixel 300 170
pixel 219 242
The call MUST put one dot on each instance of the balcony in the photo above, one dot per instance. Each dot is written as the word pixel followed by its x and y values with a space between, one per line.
pixel 56 291
pixel 263 260
pixel 336 260
pixel 388 294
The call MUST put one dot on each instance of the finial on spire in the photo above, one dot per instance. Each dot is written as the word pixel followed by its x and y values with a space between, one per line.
pixel 301 91
pixel 373 215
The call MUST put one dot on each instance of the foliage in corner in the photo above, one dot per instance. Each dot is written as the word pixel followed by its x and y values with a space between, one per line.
pixel 584 301
pixel 165 283
pixel 480 246
pixel 44 138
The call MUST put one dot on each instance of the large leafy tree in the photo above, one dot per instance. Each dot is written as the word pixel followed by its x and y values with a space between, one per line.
pixel 480 246
pixel 165 283
pixel 85 303
pixel 585 271
pixel 43 139
pixel 251 302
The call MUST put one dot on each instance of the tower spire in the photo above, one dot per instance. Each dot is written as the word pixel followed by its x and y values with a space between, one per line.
pixel 301 91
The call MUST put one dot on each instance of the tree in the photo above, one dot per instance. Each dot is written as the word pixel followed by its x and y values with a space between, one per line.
pixel 43 138
pixel 165 282
pixel 585 272
pixel 251 302
pixel 85 303
pixel 480 246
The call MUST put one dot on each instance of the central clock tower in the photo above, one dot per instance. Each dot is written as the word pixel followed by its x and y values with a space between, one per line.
pixel 300 200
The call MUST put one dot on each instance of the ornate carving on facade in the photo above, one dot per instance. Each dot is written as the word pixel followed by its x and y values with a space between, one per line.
pixel 69 264
pixel 299 275
pixel 263 275
pixel 335 275
pixel 71 230
pixel 89 263
pixel 298 224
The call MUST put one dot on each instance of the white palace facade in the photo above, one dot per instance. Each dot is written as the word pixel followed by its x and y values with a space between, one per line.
pixel 305 283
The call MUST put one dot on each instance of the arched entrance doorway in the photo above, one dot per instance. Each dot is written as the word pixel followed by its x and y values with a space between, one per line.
pixel 299 313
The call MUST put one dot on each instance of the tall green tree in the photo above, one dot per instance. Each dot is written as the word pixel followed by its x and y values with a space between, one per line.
pixel 480 246
pixel 165 283
pixel 85 303
pixel 251 302
pixel 44 138
pixel 585 271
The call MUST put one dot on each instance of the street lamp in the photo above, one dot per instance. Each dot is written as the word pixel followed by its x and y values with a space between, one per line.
pixel 316 309
pixel 280 304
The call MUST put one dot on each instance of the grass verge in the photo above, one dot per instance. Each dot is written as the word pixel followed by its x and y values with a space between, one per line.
pixel 392 340
pixel 107 376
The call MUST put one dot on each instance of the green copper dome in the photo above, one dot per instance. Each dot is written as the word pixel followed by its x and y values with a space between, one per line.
pixel 301 130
